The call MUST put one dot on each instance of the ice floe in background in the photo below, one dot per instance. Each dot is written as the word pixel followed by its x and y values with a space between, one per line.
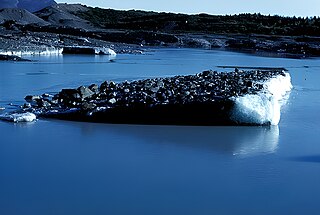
pixel 59 51
pixel 88 50
pixel 40 51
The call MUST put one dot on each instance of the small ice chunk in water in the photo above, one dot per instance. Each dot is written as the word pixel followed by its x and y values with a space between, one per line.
pixel 18 117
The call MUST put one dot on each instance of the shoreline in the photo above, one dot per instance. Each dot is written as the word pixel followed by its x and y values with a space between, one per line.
pixel 134 32
pixel 36 42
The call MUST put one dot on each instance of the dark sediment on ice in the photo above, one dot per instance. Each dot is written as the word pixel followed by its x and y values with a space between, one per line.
pixel 87 50
pixel 201 99
pixel 11 58
pixel 79 50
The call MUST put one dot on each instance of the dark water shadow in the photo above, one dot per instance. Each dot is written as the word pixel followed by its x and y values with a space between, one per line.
pixel 268 54
pixel 309 158
pixel 240 141
pixel 38 73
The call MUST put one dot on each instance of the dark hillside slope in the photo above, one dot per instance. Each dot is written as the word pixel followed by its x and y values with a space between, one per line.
pixel 30 5
pixel 64 15
pixel 75 24
pixel 20 16
pixel 204 23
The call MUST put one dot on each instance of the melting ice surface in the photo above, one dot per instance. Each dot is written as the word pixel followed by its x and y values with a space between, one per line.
pixel 264 107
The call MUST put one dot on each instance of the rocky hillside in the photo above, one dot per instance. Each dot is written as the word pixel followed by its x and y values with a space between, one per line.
pixel 75 24
pixel 202 23
pixel 19 16
pixel 30 5
pixel 65 15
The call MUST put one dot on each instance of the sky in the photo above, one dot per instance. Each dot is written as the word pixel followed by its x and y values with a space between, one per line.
pixel 273 7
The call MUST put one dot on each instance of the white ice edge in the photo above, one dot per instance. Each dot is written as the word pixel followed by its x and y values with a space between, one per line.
pixel 18 117
pixel 45 51
pixel 56 51
pixel 98 50
pixel 264 107
pixel 106 51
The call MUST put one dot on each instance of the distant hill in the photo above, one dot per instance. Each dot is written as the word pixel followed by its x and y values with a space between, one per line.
pixel 202 23
pixel 30 5
pixel 20 16
pixel 65 15
pixel 76 24
pixel 79 16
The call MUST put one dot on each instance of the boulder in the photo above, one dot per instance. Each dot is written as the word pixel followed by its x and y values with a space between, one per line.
pixel 85 92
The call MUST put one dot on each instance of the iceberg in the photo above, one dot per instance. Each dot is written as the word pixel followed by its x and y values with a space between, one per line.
pixel 88 50
pixel 263 107
pixel 207 98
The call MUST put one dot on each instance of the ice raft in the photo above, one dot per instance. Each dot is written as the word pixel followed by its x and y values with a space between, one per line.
pixel 208 98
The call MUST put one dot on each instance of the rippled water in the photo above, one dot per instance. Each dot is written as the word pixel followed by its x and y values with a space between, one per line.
pixel 60 167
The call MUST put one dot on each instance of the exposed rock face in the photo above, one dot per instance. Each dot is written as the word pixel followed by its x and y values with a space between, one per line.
pixel 30 5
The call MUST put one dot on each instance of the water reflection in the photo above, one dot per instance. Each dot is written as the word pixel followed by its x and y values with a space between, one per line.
pixel 309 158
pixel 239 141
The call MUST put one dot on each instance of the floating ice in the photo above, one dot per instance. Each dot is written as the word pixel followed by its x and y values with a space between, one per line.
pixel 40 51
pixel 264 107
pixel 105 51
pixel 88 50
pixel 18 117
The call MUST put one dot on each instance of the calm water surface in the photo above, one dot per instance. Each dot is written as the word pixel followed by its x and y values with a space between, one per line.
pixel 59 167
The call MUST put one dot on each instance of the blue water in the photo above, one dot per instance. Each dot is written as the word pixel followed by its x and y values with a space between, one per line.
pixel 60 167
